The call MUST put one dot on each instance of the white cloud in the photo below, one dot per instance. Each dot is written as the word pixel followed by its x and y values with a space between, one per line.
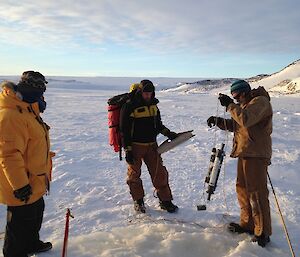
pixel 190 25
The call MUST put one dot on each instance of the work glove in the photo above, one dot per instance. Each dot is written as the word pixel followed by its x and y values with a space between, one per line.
pixel 129 157
pixel 212 121
pixel 172 135
pixel 225 100
pixel 24 193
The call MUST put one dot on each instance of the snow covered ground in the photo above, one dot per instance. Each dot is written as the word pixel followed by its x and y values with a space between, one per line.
pixel 89 179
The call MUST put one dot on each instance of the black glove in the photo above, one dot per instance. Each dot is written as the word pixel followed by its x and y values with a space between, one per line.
pixel 212 121
pixel 225 100
pixel 24 193
pixel 172 135
pixel 129 157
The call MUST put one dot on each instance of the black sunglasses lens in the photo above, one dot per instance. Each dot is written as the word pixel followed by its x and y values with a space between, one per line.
pixel 236 97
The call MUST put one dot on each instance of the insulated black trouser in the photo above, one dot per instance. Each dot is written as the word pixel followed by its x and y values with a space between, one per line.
pixel 22 229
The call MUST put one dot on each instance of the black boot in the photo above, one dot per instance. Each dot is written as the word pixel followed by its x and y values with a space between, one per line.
pixel 236 228
pixel 41 247
pixel 139 206
pixel 168 206
pixel 261 240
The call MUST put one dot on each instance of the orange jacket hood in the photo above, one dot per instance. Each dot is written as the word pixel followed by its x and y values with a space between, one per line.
pixel 9 99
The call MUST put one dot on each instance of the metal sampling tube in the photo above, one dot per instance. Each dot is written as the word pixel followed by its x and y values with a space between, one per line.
pixel 211 164
pixel 215 171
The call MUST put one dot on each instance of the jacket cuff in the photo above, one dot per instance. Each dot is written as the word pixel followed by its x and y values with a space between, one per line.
pixel 220 121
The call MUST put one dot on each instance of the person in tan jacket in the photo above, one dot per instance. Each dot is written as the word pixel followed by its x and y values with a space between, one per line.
pixel 251 122
pixel 25 163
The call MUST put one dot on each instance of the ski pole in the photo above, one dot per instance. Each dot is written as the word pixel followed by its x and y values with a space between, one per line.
pixel 68 215
pixel 282 219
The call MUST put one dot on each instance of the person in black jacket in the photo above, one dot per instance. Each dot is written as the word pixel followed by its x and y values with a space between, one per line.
pixel 140 125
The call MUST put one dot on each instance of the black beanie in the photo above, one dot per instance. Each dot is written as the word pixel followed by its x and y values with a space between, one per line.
pixel 147 86
pixel 240 86
pixel 33 79
pixel 32 86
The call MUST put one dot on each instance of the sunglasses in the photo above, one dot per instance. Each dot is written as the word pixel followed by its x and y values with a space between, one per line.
pixel 237 96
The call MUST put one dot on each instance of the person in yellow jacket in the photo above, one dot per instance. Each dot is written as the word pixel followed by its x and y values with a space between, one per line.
pixel 25 163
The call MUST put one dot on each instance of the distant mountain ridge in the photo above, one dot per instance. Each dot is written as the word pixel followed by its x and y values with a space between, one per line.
pixel 285 81
pixel 278 81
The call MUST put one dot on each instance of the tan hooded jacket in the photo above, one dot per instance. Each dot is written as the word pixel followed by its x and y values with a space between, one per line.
pixel 252 126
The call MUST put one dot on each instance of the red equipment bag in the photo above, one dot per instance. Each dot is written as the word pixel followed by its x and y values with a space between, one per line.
pixel 114 110
pixel 114 127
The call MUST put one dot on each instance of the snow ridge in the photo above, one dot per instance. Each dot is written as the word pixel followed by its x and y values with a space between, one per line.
pixel 285 81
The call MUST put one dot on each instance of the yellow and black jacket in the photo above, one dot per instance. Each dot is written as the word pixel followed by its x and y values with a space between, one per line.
pixel 141 122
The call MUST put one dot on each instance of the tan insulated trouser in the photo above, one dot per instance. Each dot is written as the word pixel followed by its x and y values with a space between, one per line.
pixel 252 193
pixel 158 172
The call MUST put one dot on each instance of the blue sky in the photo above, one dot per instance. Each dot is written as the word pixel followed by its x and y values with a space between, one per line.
pixel 191 38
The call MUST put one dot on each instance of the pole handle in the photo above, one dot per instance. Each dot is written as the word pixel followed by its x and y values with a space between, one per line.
pixel 66 237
